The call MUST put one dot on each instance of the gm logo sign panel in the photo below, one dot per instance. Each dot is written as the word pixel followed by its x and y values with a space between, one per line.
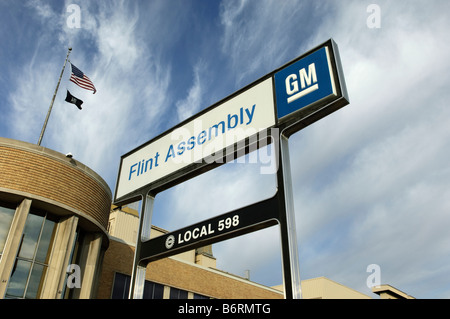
pixel 304 82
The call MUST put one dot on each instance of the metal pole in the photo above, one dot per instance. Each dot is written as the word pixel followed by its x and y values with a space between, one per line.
pixel 291 269
pixel 53 100
pixel 139 269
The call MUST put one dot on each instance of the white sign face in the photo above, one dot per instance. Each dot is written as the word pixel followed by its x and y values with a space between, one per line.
pixel 233 121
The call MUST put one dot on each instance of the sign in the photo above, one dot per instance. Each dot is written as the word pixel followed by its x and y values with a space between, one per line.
pixel 310 85
pixel 238 222
pixel 284 101
pixel 195 140
pixel 304 83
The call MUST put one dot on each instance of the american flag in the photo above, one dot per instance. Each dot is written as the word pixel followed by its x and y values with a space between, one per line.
pixel 80 79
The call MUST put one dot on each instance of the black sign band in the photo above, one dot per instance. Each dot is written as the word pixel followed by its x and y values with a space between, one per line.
pixel 235 223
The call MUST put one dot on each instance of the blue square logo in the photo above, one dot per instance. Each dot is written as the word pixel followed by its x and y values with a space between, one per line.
pixel 304 82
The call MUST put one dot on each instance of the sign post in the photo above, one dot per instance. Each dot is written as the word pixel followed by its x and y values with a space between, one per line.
pixel 143 234
pixel 289 249
pixel 267 111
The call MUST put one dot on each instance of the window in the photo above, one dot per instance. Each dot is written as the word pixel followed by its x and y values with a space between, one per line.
pixel 6 217
pixel 121 288
pixel 153 290
pixel 32 258
pixel 176 293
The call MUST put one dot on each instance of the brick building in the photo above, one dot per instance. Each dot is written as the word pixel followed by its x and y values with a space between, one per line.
pixel 192 274
pixel 56 224
pixel 53 213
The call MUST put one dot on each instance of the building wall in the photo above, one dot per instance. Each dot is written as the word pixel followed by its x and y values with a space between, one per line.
pixel 193 271
pixel 40 184
pixel 389 292
pixel 44 192
pixel 324 288
pixel 123 225
pixel 43 174
pixel 180 274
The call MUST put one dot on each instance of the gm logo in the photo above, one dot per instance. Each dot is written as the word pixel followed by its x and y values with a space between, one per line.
pixel 304 82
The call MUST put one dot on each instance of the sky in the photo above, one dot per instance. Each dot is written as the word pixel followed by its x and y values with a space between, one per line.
pixel 370 181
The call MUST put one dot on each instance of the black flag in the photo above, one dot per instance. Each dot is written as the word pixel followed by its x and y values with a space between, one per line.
pixel 72 99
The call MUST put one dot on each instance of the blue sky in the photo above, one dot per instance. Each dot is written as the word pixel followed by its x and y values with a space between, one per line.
pixel 371 181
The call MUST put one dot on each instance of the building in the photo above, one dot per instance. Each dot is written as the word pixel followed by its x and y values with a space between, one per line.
pixel 53 214
pixel 193 274
pixel 389 292
pixel 61 238
pixel 189 275
pixel 325 288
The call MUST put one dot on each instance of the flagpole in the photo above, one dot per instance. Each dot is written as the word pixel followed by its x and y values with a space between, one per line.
pixel 53 100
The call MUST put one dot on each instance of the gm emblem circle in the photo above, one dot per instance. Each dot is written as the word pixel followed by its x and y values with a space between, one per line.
pixel 170 241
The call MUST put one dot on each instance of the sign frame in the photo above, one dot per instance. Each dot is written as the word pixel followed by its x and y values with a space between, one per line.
pixel 281 204
pixel 204 164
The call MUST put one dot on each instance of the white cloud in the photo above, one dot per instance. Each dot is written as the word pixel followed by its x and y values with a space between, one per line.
pixel 356 163
pixel 43 10
pixel 362 176
pixel 222 190
pixel 259 252
pixel 216 192
pixel 257 36
pixel 370 181
pixel 117 37
pixel 131 82
pixel 374 182
pixel 193 101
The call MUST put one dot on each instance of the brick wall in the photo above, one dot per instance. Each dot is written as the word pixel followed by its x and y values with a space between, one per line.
pixel 173 273
pixel 38 171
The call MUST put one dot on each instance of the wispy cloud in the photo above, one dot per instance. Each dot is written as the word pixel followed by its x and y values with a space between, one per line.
pixel 257 37
pixel 193 101
pixel 377 166
pixel 130 78
pixel 370 181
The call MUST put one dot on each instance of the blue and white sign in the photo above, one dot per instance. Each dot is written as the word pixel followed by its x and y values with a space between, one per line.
pixel 284 101
pixel 305 82
pixel 311 84
pixel 224 125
